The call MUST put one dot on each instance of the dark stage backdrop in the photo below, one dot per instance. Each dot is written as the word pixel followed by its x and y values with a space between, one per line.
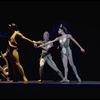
pixel 36 17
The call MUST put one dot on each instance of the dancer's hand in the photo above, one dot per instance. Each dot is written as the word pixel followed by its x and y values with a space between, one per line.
pixel 82 50
pixel 40 46
pixel 34 43
pixel 4 55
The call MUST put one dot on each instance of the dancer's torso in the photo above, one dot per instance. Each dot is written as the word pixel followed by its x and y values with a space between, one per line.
pixel 64 43
pixel 44 52
pixel 13 39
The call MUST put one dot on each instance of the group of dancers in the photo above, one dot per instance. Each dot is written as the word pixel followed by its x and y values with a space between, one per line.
pixel 46 57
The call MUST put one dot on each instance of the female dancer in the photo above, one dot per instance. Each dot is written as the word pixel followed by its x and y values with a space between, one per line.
pixel 12 50
pixel 66 52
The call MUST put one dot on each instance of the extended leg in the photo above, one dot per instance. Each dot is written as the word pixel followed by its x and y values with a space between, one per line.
pixel 74 67
pixel 54 67
pixel 20 68
pixel 65 63
pixel 42 62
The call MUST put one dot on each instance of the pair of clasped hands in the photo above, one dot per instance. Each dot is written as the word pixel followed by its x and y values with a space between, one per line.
pixel 37 46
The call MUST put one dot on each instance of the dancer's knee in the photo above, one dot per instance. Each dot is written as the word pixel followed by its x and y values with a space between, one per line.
pixel 18 64
pixel 41 67
pixel 41 62
pixel 58 71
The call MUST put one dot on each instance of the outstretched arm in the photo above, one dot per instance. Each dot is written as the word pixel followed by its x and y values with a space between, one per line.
pixel 49 42
pixel 76 43
pixel 40 43
pixel 46 49
pixel 25 38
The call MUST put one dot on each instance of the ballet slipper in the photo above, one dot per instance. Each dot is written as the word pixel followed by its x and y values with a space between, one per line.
pixel 65 80
pixel 40 80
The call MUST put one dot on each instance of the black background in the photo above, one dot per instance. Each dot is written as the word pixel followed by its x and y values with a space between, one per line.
pixel 36 17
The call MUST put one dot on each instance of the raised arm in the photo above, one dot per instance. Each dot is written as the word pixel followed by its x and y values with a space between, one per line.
pixel 70 36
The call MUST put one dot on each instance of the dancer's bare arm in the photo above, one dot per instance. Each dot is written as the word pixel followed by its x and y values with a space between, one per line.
pixel 25 38
pixel 49 42
pixel 70 36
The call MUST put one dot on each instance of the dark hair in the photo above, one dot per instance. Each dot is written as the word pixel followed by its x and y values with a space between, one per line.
pixel 64 29
pixel 13 27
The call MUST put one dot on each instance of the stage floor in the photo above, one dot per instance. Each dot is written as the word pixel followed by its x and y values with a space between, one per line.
pixel 51 82
pixel 48 89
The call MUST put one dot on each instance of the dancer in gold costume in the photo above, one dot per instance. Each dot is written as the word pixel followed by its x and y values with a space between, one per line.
pixel 12 50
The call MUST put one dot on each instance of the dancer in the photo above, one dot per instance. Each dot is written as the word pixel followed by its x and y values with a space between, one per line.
pixel 4 69
pixel 12 50
pixel 66 52
pixel 46 56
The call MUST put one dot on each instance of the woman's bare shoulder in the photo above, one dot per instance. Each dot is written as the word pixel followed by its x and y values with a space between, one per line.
pixel 69 36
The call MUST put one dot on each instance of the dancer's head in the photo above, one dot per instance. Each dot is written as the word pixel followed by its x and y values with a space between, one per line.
pixel 46 36
pixel 62 30
pixel 13 27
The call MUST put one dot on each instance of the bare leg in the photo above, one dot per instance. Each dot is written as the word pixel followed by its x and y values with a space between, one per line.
pixel 65 64
pixel 20 68
pixel 73 66
pixel 54 67
pixel 42 62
